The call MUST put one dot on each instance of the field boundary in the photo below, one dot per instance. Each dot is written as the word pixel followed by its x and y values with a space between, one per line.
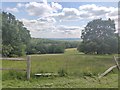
pixel 28 65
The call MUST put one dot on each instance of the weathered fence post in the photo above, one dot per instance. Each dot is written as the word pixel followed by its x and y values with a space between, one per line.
pixel 111 68
pixel 28 67
pixel 116 61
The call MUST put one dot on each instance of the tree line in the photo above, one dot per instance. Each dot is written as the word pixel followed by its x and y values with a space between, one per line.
pixel 98 37
pixel 44 46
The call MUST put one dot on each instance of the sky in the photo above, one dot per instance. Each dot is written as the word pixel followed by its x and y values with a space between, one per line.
pixel 60 19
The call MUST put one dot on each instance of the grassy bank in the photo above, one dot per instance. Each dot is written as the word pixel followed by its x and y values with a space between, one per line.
pixel 77 69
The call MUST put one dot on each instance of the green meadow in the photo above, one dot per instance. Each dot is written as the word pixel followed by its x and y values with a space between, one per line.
pixel 74 69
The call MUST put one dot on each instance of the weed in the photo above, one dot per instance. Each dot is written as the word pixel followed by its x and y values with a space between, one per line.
pixel 62 72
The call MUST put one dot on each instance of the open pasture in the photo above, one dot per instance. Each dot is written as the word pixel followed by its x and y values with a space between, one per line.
pixel 75 70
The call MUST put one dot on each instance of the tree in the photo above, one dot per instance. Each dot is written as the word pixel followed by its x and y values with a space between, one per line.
pixel 15 37
pixel 99 37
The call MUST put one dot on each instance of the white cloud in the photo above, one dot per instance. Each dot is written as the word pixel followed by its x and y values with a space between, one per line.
pixel 47 19
pixel 45 1
pixel 96 11
pixel 50 14
pixel 69 14
pixel 46 27
pixel 38 25
pixel 70 28
pixel 19 5
pixel 92 11
pixel 44 24
pixel 42 9
pixel 12 9
pixel 38 9
pixel 71 11
pixel 56 6
pixel 69 31
pixel 87 12
pixel 84 14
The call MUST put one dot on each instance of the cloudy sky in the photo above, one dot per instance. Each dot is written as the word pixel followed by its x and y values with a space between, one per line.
pixel 60 19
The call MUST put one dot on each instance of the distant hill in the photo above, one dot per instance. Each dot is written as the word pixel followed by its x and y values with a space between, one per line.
pixel 64 39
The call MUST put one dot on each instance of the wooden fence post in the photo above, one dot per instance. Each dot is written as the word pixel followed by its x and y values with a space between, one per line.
pixel 116 61
pixel 28 67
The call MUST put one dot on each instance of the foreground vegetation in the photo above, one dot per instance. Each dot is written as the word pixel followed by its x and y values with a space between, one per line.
pixel 110 81
pixel 75 70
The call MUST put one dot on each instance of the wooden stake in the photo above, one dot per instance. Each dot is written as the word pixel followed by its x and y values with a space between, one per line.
pixel 28 67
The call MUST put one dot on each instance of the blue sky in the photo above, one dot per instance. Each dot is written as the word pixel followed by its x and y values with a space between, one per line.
pixel 59 19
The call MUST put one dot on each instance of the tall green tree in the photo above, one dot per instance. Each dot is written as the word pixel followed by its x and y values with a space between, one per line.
pixel 99 37
pixel 15 37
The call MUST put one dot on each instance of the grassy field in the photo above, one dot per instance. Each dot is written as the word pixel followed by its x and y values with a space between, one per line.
pixel 76 70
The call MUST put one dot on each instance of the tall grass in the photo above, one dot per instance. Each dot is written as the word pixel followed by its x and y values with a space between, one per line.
pixel 71 63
